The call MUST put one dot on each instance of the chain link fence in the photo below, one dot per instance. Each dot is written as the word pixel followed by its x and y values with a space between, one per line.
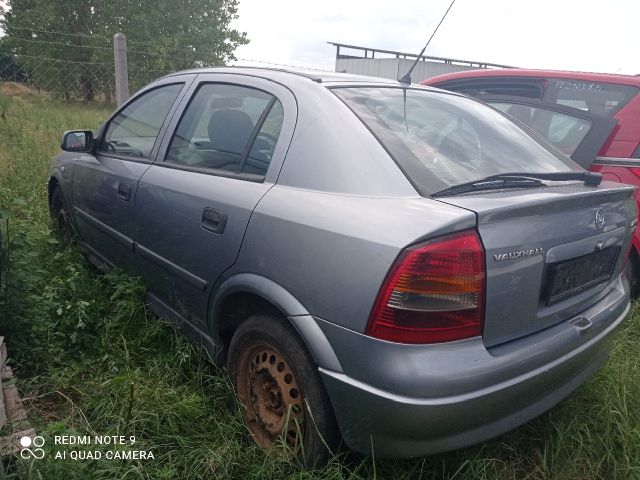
pixel 80 67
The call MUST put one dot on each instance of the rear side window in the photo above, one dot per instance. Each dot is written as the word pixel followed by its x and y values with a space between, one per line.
pixel 133 131
pixel 595 97
pixel 264 145
pixel 228 128
pixel 564 131
pixel 440 140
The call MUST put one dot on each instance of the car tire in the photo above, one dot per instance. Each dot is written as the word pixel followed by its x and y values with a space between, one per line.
pixel 282 399
pixel 61 216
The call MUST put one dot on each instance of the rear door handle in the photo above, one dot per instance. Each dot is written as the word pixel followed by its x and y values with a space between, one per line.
pixel 124 191
pixel 214 220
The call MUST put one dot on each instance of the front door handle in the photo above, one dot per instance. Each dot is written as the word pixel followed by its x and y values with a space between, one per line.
pixel 214 220
pixel 124 192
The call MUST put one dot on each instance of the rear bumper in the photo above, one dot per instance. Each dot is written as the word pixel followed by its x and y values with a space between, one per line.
pixel 493 390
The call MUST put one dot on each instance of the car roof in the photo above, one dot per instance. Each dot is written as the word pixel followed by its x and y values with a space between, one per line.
pixel 318 76
pixel 522 72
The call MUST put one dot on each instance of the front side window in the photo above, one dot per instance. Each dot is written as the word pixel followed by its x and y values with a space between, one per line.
pixel 228 128
pixel 564 131
pixel 134 130
pixel 441 140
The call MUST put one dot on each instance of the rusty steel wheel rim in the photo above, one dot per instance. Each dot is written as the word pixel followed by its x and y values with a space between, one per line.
pixel 271 399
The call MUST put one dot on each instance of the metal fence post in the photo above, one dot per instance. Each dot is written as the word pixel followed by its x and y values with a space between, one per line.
pixel 121 73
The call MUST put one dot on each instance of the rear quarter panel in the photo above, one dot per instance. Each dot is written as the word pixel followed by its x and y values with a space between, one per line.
pixel 332 252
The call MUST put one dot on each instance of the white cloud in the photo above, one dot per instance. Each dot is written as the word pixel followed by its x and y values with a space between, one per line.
pixel 573 35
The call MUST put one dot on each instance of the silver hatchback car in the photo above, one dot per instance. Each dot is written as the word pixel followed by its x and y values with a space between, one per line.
pixel 396 266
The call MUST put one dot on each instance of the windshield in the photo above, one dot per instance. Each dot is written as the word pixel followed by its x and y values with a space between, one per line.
pixel 440 140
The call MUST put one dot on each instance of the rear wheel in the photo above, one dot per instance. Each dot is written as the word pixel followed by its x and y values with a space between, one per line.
pixel 281 396
pixel 60 215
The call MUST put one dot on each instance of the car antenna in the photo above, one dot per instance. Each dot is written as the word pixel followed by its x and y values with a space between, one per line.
pixel 406 79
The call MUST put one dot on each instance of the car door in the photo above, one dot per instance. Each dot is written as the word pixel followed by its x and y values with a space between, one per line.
pixel 577 133
pixel 221 154
pixel 105 183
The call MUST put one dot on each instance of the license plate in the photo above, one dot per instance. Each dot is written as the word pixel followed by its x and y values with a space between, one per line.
pixel 573 276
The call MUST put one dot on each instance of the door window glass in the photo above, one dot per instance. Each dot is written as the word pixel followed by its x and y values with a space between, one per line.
pixel 134 130
pixel 219 126
pixel 564 131
pixel 265 143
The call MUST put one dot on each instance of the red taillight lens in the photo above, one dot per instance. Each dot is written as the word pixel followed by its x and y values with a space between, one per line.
pixel 433 293
pixel 635 171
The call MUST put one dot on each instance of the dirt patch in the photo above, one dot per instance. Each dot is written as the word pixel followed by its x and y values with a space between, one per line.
pixel 13 89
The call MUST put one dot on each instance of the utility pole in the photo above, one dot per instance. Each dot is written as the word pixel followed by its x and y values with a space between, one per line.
pixel 121 71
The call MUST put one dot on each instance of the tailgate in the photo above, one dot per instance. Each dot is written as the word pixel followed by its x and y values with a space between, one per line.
pixel 551 252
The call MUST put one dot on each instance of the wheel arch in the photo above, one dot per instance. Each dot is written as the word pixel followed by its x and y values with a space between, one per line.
pixel 54 182
pixel 241 295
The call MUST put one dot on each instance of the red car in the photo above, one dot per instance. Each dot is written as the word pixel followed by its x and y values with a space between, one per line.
pixel 592 117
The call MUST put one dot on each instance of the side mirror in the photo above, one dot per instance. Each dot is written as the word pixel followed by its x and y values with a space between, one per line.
pixel 77 141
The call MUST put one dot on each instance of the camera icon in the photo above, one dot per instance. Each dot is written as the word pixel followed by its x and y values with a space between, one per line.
pixel 27 442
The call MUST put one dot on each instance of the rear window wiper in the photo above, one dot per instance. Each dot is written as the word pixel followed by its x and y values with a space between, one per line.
pixel 519 180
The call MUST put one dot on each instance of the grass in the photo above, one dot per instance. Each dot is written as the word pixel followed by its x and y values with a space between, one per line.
pixel 92 360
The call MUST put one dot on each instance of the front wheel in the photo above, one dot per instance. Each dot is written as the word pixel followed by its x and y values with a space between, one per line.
pixel 283 402
pixel 60 215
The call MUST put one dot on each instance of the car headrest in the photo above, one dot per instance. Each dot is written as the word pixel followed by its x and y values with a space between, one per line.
pixel 229 130
pixel 520 112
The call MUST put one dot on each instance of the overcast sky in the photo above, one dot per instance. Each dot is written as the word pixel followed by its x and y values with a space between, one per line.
pixel 557 34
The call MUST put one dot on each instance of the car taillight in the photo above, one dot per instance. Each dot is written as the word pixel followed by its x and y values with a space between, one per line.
pixel 635 171
pixel 433 293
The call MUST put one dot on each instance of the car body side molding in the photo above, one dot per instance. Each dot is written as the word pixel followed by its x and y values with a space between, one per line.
pixel 187 276
pixel 106 229
pixel 190 278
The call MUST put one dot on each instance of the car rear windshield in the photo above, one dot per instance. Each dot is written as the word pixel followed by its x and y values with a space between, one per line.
pixel 440 140
pixel 595 97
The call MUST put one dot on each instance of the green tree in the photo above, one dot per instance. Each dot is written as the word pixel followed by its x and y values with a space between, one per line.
pixel 77 60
